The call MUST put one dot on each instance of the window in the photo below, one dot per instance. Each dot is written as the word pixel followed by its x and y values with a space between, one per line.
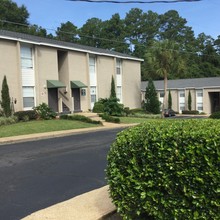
pixel 182 94
pixel 200 106
pixel 199 100
pixel 118 66
pixel 93 94
pixel 83 92
pixel 161 94
pixel 26 58
pixel 182 106
pixel 28 97
pixel 118 93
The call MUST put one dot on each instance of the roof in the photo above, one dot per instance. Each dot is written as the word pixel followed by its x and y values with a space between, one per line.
pixel 26 38
pixel 197 83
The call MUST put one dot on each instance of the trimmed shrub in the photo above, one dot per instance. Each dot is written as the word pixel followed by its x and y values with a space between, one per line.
pixel 98 107
pixel 8 120
pixel 192 112
pixel 45 112
pixel 137 111
pixel 26 115
pixel 127 111
pixel 80 118
pixel 215 115
pixel 166 170
pixel 109 118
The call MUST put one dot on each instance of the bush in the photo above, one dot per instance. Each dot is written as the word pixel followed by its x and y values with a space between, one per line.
pixel 45 112
pixel 80 118
pixel 192 112
pixel 215 115
pixel 137 111
pixel 127 111
pixel 166 170
pixel 8 120
pixel 26 115
pixel 98 107
pixel 109 118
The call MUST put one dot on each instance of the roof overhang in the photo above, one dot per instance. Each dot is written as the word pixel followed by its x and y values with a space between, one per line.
pixel 51 84
pixel 77 85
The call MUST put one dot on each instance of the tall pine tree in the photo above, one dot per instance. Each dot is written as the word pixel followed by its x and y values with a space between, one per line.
pixel 5 98
pixel 113 93
pixel 169 100
pixel 152 103
pixel 189 101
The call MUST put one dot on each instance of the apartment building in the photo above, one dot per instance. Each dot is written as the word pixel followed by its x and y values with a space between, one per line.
pixel 205 93
pixel 66 76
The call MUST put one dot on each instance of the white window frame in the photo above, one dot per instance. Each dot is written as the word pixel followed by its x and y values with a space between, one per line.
pixel 28 94
pixel 27 57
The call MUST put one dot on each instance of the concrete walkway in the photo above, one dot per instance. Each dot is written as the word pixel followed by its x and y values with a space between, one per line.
pixel 94 205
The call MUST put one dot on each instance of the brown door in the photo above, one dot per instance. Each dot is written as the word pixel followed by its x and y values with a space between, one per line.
pixel 53 99
pixel 76 97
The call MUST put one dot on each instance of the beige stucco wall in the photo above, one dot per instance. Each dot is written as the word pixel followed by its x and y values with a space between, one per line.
pixel 131 84
pixel 78 71
pixel 46 68
pixel 72 66
pixel 105 67
pixel 207 108
pixel 10 67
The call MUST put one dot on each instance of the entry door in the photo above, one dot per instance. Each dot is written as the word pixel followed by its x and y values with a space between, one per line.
pixel 76 97
pixel 53 99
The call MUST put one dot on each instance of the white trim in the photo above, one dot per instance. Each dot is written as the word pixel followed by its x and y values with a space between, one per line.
pixel 69 48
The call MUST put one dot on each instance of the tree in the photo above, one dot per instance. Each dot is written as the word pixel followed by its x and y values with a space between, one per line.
pixel 189 101
pixel 91 32
pixel 163 59
pixel 5 98
pixel 114 30
pixel 152 103
pixel 113 93
pixel 67 32
pixel 169 100
pixel 12 15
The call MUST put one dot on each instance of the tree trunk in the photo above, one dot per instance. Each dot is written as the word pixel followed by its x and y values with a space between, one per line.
pixel 165 95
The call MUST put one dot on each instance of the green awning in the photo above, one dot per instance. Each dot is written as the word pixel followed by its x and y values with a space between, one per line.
pixel 77 85
pixel 55 84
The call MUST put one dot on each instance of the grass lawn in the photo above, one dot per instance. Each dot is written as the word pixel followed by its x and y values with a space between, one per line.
pixel 32 127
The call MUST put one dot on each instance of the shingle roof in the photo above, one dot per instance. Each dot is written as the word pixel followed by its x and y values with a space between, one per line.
pixel 61 44
pixel 197 83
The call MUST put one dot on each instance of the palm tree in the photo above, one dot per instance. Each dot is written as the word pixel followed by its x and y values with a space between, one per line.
pixel 164 58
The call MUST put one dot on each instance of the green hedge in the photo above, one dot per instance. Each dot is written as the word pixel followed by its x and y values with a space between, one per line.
pixel 215 115
pixel 166 170
pixel 80 118
pixel 26 115
pixel 109 118
pixel 192 112
pixel 8 120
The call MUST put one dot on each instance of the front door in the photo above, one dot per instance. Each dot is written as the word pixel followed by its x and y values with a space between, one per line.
pixel 53 99
pixel 76 97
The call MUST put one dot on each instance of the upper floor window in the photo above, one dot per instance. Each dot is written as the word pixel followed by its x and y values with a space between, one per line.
pixel 199 93
pixel 118 66
pixel 26 57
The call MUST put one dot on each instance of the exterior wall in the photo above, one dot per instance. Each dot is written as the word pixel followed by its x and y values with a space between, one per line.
pixel 46 68
pixel 131 84
pixel 10 67
pixel 207 106
pixel 105 71
pixel 50 63
pixel 78 70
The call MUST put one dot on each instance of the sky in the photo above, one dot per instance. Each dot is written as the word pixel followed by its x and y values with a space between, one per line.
pixel 202 16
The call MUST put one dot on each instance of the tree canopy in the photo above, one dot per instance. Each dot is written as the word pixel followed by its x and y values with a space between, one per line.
pixel 135 34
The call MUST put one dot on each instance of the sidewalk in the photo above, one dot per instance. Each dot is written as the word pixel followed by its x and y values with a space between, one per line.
pixel 93 205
